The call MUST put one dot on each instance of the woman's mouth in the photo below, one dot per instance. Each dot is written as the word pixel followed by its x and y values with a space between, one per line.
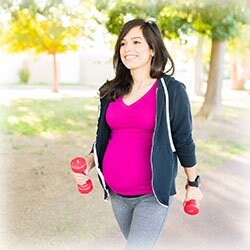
pixel 129 57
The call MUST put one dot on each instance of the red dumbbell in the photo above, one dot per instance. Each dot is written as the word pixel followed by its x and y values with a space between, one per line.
pixel 191 207
pixel 78 165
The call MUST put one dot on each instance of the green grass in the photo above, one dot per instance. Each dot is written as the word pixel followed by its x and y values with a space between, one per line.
pixel 33 117
pixel 220 140
pixel 217 141
pixel 215 151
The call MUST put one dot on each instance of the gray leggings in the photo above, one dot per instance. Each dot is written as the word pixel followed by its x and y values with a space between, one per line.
pixel 140 219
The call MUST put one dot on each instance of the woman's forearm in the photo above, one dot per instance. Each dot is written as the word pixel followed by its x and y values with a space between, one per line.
pixel 191 173
pixel 90 161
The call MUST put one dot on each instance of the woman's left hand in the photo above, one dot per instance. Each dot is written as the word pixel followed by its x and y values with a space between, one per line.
pixel 193 193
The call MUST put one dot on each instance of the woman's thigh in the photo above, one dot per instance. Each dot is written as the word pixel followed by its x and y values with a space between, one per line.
pixel 147 223
pixel 140 219
pixel 123 211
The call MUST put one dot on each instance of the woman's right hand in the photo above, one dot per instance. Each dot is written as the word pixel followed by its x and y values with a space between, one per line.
pixel 80 179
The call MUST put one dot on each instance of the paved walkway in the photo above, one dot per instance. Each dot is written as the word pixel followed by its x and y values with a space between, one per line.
pixel 224 219
pixel 38 92
pixel 223 222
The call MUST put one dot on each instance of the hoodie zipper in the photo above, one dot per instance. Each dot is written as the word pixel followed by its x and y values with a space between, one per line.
pixel 151 157
pixel 99 172
pixel 168 116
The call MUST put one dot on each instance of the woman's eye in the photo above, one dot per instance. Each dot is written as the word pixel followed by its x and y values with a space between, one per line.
pixel 122 44
pixel 136 42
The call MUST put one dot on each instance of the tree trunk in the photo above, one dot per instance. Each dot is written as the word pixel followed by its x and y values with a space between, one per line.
pixel 55 81
pixel 198 67
pixel 238 76
pixel 234 74
pixel 211 106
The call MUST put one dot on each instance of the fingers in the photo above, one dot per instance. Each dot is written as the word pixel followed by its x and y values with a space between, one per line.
pixel 193 193
pixel 80 179
pixel 87 169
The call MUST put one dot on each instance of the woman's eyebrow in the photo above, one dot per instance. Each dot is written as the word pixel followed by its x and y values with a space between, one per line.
pixel 132 38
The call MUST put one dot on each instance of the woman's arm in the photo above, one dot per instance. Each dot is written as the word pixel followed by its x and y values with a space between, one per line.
pixel 191 173
pixel 90 162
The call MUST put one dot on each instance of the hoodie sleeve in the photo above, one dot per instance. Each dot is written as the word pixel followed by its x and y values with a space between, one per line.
pixel 181 125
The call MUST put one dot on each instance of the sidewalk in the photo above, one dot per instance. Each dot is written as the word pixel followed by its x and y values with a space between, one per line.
pixel 222 224
pixel 87 223
pixel 40 92
pixel 224 219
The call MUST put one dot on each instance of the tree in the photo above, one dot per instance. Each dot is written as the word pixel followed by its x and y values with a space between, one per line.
pixel 49 28
pixel 217 20
pixel 239 49
pixel 222 22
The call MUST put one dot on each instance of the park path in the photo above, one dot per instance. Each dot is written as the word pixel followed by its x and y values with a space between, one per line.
pixel 223 222
pixel 224 219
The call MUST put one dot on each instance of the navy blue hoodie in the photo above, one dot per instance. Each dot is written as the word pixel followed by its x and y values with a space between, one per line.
pixel 172 138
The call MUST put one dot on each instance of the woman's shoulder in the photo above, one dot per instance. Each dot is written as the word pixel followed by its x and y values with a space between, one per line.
pixel 171 83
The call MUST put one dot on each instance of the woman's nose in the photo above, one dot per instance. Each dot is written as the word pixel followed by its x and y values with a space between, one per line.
pixel 128 47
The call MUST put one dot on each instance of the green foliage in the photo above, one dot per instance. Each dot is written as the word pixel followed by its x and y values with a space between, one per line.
pixel 240 45
pixel 51 28
pixel 103 5
pixel 120 13
pixel 24 75
pixel 218 20
pixel 174 22
pixel 215 19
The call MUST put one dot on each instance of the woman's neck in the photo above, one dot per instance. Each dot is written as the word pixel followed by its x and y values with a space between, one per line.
pixel 141 78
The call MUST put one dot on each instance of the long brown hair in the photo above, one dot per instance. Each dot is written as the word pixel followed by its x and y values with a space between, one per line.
pixel 122 83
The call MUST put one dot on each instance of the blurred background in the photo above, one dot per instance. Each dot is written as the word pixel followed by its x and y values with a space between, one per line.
pixel 54 55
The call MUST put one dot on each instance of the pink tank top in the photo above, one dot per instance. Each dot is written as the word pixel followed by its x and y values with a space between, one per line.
pixel 126 163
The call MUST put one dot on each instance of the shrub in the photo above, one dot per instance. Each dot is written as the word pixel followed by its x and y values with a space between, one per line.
pixel 24 75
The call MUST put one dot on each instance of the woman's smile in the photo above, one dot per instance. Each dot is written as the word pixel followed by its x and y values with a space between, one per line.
pixel 129 57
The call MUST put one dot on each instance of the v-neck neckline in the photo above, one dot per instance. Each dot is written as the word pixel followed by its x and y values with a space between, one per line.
pixel 139 99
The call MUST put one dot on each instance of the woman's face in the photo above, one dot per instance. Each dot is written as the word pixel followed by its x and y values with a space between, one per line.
pixel 134 50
